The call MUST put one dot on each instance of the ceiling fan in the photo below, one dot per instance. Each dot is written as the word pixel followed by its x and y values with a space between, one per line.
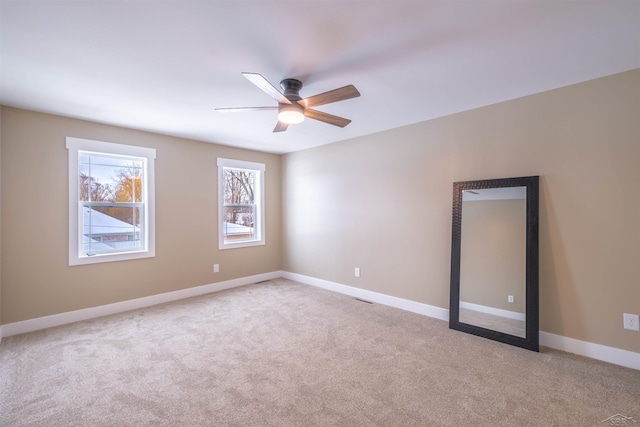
pixel 292 108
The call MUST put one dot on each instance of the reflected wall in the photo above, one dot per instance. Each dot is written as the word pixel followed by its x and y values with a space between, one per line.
pixel 492 259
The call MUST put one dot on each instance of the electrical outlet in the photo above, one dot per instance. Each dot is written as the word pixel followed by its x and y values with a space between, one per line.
pixel 631 321
pixel 216 268
pixel 357 272
pixel 510 298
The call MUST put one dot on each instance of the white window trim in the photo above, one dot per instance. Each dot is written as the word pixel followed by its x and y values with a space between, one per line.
pixel 74 145
pixel 259 188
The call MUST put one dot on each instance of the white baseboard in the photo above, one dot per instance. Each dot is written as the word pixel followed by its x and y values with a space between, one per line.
pixel 494 311
pixel 36 324
pixel 613 355
pixel 415 307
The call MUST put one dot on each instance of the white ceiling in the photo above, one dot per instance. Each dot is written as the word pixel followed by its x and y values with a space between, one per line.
pixel 163 66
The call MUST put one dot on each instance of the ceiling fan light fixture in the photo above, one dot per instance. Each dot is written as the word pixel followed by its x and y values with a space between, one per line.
pixel 291 114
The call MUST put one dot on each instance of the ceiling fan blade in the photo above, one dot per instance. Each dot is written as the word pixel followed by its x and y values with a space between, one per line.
pixel 267 87
pixel 346 92
pixel 240 109
pixel 280 127
pixel 327 118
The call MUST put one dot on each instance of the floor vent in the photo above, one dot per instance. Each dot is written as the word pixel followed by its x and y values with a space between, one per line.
pixel 363 300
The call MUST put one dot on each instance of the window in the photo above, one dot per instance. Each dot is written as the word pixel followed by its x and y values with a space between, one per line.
pixel 241 203
pixel 111 202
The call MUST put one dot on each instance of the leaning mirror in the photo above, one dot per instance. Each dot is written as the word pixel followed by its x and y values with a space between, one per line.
pixel 494 260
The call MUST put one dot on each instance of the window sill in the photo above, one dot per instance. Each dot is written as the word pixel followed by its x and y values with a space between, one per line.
pixel 244 244
pixel 100 258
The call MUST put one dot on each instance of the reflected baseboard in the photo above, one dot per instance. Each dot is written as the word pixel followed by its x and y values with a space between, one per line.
pixel 494 311
pixel 493 322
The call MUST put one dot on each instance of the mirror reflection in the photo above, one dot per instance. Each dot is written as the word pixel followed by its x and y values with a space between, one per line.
pixel 493 259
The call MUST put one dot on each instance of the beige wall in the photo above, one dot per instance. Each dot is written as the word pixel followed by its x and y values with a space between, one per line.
pixel 36 278
pixel 383 203
pixel 493 253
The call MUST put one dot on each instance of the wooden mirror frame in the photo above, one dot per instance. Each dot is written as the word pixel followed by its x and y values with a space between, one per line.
pixel 531 339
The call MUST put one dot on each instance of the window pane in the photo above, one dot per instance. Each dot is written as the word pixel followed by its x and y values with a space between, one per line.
pixel 111 228
pixel 238 186
pixel 112 161
pixel 110 179
pixel 91 187
pixel 129 185
pixel 239 222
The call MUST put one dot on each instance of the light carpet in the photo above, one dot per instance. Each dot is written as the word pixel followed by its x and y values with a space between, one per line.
pixel 282 353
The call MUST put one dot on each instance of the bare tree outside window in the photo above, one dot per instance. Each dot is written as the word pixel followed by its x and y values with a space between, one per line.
pixel 92 190
pixel 239 204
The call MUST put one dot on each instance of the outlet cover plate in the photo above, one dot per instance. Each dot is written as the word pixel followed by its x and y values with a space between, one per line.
pixel 631 321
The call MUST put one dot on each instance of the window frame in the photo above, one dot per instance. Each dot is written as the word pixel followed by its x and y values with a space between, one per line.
pixel 75 146
pixel 259 220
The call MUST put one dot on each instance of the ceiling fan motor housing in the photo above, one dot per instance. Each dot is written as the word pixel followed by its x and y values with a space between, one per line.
pixel 291 88
pixel 291 113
